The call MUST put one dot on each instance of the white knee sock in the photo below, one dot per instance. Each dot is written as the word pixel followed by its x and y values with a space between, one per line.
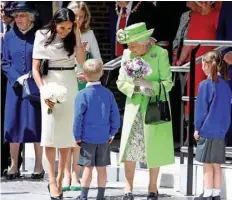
pixel 208 192
pixel 216 192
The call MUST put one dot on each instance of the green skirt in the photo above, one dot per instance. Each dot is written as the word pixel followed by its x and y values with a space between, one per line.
pixel 81 85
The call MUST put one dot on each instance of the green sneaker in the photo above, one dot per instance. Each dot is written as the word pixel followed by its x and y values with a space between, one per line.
pixel 75 187
pixel 66 188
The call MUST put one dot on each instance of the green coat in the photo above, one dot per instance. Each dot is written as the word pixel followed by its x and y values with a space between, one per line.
pixel 159 147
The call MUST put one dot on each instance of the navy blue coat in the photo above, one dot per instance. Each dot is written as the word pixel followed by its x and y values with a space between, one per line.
pixel 22 117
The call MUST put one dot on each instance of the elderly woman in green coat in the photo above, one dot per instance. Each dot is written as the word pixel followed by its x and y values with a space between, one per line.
pixel 140 142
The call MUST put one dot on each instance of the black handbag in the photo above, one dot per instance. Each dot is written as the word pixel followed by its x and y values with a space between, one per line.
pixel 30 89
pixel 43 67
pixel 158 112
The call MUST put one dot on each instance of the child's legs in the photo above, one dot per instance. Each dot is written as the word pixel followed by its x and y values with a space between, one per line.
pixel 208 175
pixel 75 166
pixel 87 176
pixel 217 179
pixel 101 176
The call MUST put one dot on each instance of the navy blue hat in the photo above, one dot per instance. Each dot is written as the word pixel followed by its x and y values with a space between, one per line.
pixel 24 6
pixel 8 8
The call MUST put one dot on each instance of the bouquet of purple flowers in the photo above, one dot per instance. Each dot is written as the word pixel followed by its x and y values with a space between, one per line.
pixel 137 68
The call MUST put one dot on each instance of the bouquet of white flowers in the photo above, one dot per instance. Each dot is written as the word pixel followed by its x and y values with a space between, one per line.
pixel 137 68
pixel 54 92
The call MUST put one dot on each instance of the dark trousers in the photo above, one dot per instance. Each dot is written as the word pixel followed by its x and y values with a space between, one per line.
pixel 175 102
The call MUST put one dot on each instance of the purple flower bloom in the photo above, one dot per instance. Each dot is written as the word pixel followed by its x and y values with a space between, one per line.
pixel 137 68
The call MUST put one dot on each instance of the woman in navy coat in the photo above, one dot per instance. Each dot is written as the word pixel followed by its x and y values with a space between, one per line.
pixel 22 117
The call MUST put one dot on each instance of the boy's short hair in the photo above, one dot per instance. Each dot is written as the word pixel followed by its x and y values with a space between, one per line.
pixel 93 68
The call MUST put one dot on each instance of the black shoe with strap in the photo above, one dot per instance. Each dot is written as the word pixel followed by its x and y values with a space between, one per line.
pixel 12 176
pixel 128 196
pixel 152 196
pixel 38 175
pixel 54 198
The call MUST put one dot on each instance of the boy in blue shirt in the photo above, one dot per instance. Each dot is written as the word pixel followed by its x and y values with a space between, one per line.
pixel 96 122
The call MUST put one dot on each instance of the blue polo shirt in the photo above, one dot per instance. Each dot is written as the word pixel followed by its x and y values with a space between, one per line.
pixel 212 115
pixel 96 114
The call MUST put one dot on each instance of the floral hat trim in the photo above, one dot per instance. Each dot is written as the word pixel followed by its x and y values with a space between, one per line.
pixel 122 36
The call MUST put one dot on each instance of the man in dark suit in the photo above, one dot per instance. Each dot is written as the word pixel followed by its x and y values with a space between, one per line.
pixel 46 10
pixel 132 12
pixel 162 16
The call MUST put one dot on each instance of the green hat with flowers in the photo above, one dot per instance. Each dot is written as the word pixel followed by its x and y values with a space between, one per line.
pixel 134 33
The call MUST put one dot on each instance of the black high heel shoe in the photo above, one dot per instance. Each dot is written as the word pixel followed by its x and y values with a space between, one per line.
pixel 60 197
pixel 12 176
pixel 38 176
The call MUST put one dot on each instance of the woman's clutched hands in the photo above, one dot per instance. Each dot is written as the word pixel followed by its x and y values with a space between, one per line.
pixel 141 82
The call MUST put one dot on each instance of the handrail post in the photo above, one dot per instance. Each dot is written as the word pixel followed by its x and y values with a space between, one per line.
pixel 191 121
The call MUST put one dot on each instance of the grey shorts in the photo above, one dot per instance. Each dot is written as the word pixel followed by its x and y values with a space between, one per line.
pixel 94 155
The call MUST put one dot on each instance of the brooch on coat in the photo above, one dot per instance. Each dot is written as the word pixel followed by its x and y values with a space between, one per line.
pixel 153 55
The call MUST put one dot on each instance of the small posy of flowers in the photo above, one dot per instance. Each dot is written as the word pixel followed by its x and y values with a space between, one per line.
pixel 54 92
pixel 137 68
pixel 121 35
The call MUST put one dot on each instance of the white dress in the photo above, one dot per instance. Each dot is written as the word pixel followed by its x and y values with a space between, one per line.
pixel 57 128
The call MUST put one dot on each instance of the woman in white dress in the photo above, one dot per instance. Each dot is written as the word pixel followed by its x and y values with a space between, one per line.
pixel 60 45
pixel 89 42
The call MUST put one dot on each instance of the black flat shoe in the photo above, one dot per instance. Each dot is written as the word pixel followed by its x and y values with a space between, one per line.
pixel 216 198
pixel 203 198
pixel 13 176
pixel 54 198
pixel 80 198
pixel 128 196
pixel 152 196
pixel 38 176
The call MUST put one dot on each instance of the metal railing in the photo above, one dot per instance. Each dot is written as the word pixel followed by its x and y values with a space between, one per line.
pixel 221 46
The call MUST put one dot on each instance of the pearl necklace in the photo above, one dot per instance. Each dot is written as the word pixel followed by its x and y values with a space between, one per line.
pixel 132 11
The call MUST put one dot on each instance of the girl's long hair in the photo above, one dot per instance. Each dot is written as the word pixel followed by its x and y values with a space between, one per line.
pixel 73 5
pixel 62 15
pixel 218 65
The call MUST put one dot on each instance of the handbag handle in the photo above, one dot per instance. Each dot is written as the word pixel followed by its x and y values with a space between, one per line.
pixel 158 96
pixel 165 95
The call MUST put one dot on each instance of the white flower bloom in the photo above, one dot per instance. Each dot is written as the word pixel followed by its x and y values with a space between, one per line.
pixel 121 35
pixel 45 92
